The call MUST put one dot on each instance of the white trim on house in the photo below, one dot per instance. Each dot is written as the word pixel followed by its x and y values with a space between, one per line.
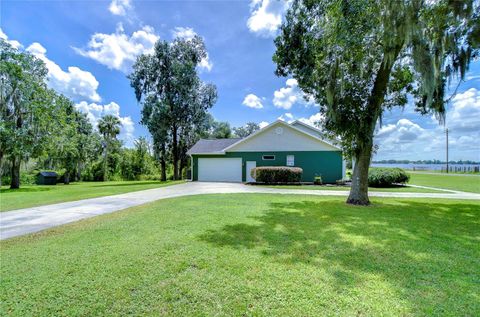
pixel 318 132
pixel 212 153
pixel 191 168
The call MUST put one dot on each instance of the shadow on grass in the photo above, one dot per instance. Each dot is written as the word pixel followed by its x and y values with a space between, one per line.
pixel 426 251
pixel 25 190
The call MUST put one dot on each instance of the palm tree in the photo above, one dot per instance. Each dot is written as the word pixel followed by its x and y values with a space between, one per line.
pixel 109 127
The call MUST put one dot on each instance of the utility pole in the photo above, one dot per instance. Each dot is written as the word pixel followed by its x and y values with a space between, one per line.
pixel 446 134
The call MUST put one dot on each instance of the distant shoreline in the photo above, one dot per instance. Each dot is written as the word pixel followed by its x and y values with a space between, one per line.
pixel 452 167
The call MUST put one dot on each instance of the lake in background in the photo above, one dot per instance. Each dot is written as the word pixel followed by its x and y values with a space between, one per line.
pixel 432 167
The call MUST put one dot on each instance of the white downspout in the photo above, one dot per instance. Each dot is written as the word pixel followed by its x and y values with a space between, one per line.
pixel 191 168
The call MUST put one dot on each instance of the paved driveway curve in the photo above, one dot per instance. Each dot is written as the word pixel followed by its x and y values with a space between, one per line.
pixel 22 221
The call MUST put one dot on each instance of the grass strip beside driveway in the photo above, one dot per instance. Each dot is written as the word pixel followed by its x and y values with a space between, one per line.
pixel 38 195
pixel 396 189
pixel 467 183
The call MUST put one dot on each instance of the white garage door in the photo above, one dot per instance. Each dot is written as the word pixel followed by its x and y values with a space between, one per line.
pixel 220 169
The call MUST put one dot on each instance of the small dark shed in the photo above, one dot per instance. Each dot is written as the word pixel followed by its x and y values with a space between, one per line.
pixel 47 178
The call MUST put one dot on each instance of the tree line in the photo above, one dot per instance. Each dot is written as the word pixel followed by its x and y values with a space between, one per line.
pixel 175 101
pixel 425 162
pixel 41 129
pixel 44 130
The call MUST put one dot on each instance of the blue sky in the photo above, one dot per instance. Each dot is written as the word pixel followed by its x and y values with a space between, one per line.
pixel 89 47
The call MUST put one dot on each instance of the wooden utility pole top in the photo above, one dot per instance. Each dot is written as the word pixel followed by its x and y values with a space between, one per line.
pixel 446 134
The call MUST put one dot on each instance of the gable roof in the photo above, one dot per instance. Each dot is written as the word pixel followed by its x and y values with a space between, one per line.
pixel 212 146
pixel 281 122
pixel 220 146
pixel 307 128
pixel 314 131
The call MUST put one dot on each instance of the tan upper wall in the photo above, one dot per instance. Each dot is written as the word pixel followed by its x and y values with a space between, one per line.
pixel 288 139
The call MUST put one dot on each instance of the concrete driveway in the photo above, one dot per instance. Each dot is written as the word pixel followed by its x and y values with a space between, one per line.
pixel 22 221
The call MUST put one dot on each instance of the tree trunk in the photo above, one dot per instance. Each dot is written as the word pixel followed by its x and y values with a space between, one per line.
pixel 359 190
pixel 1 168
pixel 175 152
pixel 79 172
pixel 15 183
pixel 163 163
pixel 66 178
pixel 163 167
pixel 105 164
pixel 182 167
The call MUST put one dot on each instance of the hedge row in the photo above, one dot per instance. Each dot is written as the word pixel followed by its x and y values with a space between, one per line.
pixel 277 174
pixel 385 177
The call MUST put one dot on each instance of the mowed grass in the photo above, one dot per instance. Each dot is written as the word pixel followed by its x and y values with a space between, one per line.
pixel 467 183
pixel 395 189
pixel 252 255
pixel 36 195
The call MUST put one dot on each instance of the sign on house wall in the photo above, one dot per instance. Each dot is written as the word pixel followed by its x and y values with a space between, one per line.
pixel 290 160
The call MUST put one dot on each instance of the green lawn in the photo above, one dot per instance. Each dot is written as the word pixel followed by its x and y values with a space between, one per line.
pixel 252 255
pixel 398 189
pixel 33 195
pixel 467 183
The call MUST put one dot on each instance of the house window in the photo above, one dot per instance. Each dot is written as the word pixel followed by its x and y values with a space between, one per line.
pixel 268 157
pixel 290 160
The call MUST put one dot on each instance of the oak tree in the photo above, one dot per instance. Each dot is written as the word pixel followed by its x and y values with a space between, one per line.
pixel 357 58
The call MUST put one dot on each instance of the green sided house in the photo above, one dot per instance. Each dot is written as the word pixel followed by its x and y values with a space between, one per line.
pixel 278 144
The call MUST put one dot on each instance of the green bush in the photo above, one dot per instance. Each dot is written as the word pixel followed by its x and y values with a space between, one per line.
pixel 25 179
pixel 93 172
pixel 277 174
pixel 317 180
pixel 386 177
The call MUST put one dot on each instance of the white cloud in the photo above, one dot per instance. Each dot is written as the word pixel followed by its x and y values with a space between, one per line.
pixel 74 83
pixel 404 131
pixel 287 116
pixel 15 44
pixel 183 32
pixel 120 7
pixel 206 64
pixel 266 16
pixel 415 137
pixel 263 124
pixel 118 50
pixel 405 139
pixel 313 120
pixel 188 34
pixel 96 111
pixel 287 96
pixel 464 115
pixel 252 101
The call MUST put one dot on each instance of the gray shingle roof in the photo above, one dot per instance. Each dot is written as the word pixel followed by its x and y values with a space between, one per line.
pixel 210 146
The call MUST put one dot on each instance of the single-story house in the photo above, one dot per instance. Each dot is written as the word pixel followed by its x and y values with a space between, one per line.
pixel 278 144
